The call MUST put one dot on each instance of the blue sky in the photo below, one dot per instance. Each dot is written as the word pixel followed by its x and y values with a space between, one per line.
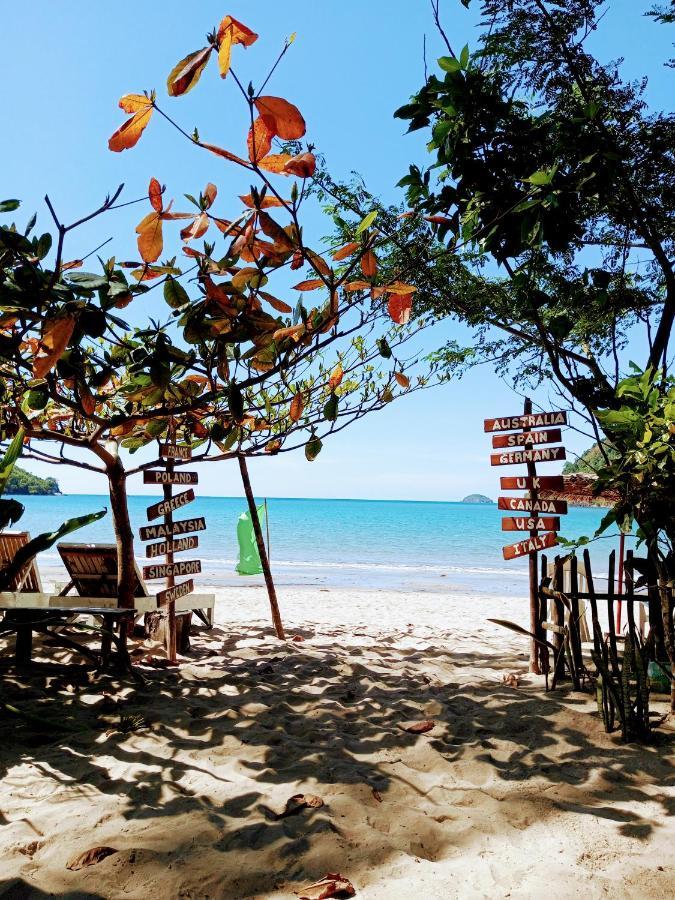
pixel 352 64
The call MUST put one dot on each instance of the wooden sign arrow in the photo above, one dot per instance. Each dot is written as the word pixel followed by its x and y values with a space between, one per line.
pixel 167 506
pixel 533 483
pixel 161 476
pixel 526 505
pixel 181 526
pixel 530 420
pixel 521 438
pixel 191 542
pixel 175 451
pixel 164 570
pixel 175 593
pixel 530 545
pixel 538 455
pixel 531 523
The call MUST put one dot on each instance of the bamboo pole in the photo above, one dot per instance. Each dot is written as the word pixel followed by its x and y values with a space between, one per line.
pixel 257 530
pixel 535 620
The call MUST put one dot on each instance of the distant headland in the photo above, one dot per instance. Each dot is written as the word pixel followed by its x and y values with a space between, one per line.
pixel 477 498
pixel 21 483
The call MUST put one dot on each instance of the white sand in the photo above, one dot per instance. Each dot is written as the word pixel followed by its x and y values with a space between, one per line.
pixel 512 794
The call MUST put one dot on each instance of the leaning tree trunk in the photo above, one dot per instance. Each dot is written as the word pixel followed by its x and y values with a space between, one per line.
pixel 668 632
pixel 126 570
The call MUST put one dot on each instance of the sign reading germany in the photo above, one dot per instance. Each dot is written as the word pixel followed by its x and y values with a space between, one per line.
pixel 538 455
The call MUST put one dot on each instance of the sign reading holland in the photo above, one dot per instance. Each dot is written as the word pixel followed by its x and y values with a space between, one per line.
pixel 538 455
pixel 531 420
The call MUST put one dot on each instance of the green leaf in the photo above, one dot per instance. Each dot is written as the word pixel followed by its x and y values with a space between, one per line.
pixel 366 222
pixel 12 453
pixel 330 409
pixel 9 205
pixel 313 448
pixel 449 64
pixel 175 294
pixel 464 56
pixel 543 177
pixel 383 347
pixel 88 280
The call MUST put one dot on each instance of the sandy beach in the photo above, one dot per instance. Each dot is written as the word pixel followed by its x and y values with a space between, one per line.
pixel 511 793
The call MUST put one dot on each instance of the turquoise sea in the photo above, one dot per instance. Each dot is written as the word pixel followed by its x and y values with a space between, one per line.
pixel 393 545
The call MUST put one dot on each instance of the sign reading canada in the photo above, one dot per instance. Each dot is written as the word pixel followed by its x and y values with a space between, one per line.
pixel 528 445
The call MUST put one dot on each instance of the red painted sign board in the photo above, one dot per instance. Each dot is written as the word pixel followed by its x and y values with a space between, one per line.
pixel 181 526
pixel 191 542
pixel 531 523
pixel 164 570
pixel 526 505
pixel 530 545
pixel 175 451
pixel 176 592
pixel 520 438
pixel 161 476
pixel 533 483
pixel 530 420
pixel 166 506
pixel 535 455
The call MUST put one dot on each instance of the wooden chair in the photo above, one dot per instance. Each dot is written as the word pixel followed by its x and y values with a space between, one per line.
pixel 28 579
pixel 93 570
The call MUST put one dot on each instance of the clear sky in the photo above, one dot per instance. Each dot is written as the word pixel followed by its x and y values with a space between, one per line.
pixel 353 63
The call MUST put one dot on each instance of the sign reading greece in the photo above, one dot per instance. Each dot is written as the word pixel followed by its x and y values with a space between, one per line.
pixel 164 570
pixel 530 545
pixel 166 506
pixel 530 420
pixel 535 455
pixel 160 476
pixel 181 526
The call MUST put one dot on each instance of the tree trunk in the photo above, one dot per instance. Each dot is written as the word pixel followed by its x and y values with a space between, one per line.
pixel 126 570
pixel 257 530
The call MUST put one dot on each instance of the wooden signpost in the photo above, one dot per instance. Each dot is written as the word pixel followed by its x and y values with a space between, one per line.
pixel 171 537
pixel 528 445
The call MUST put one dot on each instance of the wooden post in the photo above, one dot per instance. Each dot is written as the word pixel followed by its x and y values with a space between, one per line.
pixel 559 620
pixel 622 552
pixel 543 649
pixel 575 628
pixel 170 579
pixel 535 620
pixel 616 669
pixel 257 530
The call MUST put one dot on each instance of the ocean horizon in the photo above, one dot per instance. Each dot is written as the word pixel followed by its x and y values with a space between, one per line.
pixel 407 545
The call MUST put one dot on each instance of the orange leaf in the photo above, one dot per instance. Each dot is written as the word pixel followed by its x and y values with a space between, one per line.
pixel 87 399
pixel 397 287
pixel 219 151
pixel 259 140
pixel 438 220
pixel 89 857
pixel 318 262
pixel 281 117
pixel 331 885
pixel 185 74
pixel 336 377
pixel 297 407
pixel 196 228
pixel 402 379
pixel 312 284
pixel 155 194
pixel 150 239
pixel 266 203
pixel 225 54
pixel 133 103
pixel 369 264
pixel 400 308
pixel 210 193
pixel 239 33
pixel 73 264
pixel 128 134
pixel 357 285
pixel 347 250
pixel 419 727
pixel 273 230
pixel 275 162
pixel 303 165
pixel 54 341
pixel 275 303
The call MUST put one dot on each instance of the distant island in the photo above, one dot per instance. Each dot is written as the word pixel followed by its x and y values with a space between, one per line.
pixel 477 498
pixel 22 482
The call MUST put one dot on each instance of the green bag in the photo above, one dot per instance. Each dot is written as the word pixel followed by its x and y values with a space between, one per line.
pixel 249 558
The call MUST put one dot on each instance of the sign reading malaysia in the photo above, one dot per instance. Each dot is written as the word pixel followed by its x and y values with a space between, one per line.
pixel 530 420
pixel 182 526
pixel 536 455
pixel 530 545
pixel 164 570
pixel 160 476
pixel 168 506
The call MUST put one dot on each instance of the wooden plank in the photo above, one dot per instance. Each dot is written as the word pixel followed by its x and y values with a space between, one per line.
pixel 175 451
pixel 190 542
pixel 532 483
pixel 530 545
pixel 531 523
pixel 196 601
pixel 176 592
pixel 528 505
pixel 182 526
pixel 164 570
pixel 536 455
pixel 530 420
pixel 162 476
pixel 167 506
pixel 521 438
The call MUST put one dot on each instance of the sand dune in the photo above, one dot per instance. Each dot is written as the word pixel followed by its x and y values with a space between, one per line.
pixel 510 794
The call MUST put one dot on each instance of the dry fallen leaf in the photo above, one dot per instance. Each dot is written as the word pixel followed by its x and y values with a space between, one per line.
pixel 377 795
pixel 511 679
pixel 298 802
pixel 419 727
pixel 331 885
pixel 89 857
